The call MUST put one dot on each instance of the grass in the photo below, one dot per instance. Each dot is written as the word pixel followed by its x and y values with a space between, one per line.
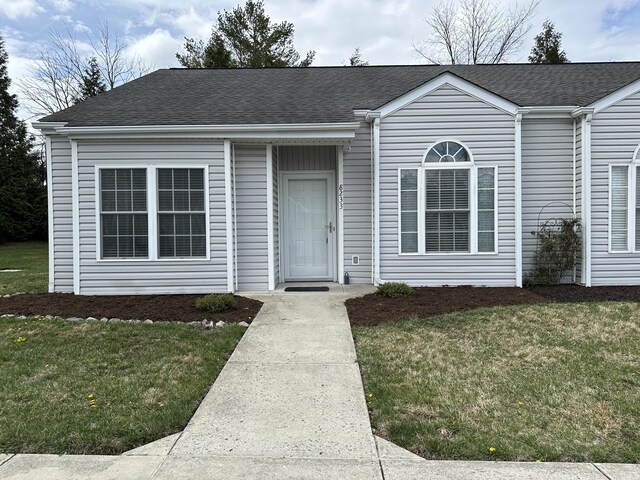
pixel 32 259
pixel 536 382
pixel 146 381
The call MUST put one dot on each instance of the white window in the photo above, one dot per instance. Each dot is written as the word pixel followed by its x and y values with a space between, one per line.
pixel 174 216
pixel 624 206
pixel 123 213
pixel 448 204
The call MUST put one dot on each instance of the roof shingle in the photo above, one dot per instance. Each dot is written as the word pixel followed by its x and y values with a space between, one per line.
pixel 327 94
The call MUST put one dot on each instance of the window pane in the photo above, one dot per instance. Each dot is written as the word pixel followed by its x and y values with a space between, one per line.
pixel 141 245
pixel 167 248
pixel 109 225
pixel 123 200
pixel 183 246
pixel 198 246
pixel 125 246
pixel 410 242
pixel 165 178
pixel 139 177
pixel 109 247
pixel 181 178
pixel 108 179
pixel 165 224
pixel 140 227
pixel 181 201
pixel 486 209
pixel 165 201
pixel 198 224
pixel 183 224
pixel 196 179
pixel 197 201
pixel 409 211
pixel 108 201
pixel 619 207
pixel 139 201
pixel 123 179
pixel 125 224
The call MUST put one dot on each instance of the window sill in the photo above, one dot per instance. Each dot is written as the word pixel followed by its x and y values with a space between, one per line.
pixel 152 260
pixel 448 254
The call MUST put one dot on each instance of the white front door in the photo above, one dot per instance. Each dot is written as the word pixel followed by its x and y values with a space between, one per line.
pixel 308 226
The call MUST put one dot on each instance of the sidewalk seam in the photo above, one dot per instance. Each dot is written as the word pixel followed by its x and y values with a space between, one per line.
pixel 10 457
pixel 601 471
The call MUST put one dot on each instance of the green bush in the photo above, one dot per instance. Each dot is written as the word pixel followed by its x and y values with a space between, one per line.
pixel 394 289
pixel 216 302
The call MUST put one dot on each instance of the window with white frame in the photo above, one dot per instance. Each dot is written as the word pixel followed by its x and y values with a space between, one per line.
pixel 448 204
pixel 177 216
pixel 123 213
pixel 181 213
pixel 624 206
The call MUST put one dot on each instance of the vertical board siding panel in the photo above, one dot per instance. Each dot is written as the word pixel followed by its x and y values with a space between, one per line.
pixel 358 206
pixel 251 214
pixel 615 135
pixel 307 158
pixel 62 213
pixel 162 277
pixel 276 217
pixel 547 176
pixel 405 135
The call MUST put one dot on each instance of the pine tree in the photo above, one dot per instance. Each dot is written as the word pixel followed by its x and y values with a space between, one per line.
pixel 546 47
pixel 23 195
pixel 92 82
pixel 245 37
pixel 355 60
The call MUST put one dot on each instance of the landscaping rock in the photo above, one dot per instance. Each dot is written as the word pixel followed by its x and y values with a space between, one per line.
pixel 220 324
pixel 147 321
pixel 243 324
pixel 74 319
pixel 92 319
pixel 49 317
pixel 115 320
pixel 21 317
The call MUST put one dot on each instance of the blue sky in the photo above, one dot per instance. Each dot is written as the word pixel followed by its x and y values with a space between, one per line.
pixel 594 30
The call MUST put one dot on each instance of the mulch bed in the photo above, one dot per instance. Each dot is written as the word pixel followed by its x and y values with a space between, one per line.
pixel 159 308
pixel 374 309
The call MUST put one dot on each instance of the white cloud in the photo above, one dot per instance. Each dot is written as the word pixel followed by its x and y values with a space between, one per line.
pixel 63 5
pixel 157 48
pixel 15 9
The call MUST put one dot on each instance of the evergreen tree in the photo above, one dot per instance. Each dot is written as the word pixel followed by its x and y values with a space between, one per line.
pixel 92 83
pixel 355 60
pixel 245 37
pixel 23 195
pixel 546 47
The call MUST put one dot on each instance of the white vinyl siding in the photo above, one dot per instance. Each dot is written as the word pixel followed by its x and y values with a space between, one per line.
pixel 619 207
pixel 276 214
pixel 300 158
pixel 138 276
pixel 547 179
pixel 62 214
pixel 251 217
pixel 615 137
pixel 358 206
pixel 405 136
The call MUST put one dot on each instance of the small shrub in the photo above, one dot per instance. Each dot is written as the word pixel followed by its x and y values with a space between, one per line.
pixel 558 248
pixel 394 289
pixel 216 302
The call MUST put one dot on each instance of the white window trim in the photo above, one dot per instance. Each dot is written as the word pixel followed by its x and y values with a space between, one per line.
pixel 152 212
pixel 473 208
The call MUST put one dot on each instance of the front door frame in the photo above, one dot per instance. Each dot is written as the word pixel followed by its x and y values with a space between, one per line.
pixel 283 179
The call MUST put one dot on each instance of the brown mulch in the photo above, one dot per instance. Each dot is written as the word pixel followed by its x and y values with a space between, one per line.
pixel 374 309
pixel 159 308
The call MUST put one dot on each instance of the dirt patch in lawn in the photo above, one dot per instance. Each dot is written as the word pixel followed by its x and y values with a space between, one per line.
pixel 159 308
pixel 374 309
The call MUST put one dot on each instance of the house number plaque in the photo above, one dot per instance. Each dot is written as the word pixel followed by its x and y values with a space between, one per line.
pixel 340 196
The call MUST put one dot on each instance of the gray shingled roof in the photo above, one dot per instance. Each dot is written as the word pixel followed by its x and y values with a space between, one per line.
pixel 327 94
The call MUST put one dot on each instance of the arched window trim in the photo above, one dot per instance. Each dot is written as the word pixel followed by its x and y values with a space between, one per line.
pixel 447 164
pixel 636 155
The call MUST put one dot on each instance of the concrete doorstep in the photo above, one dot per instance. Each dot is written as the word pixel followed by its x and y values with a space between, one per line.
pixel 289 404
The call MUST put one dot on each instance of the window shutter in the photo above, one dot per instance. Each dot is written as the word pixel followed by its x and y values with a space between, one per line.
pixel 619 207
pixel 409 211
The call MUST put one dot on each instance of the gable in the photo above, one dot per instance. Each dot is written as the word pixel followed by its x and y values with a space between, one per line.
pixel 449 81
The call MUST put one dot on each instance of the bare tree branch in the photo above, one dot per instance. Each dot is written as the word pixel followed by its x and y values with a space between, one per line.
pixel 475 31
pixel 55 78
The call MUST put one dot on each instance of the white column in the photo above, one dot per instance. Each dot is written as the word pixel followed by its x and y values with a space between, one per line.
pixel 518 198
pixel 228 197
pixel 586 196
pixel 340 214
pixel 52 275
pixel 270 236
pixel 75 208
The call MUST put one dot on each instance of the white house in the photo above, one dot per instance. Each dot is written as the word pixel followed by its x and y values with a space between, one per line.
pixel 194 181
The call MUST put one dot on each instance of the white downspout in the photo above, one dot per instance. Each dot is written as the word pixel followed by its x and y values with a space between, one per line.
pixel 376 196
pixel 518 198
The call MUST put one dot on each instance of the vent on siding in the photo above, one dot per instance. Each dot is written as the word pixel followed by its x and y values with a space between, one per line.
pixel 355 260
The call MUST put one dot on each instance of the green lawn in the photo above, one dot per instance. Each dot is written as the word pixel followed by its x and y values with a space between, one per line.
pixel 31 258
pixel 102 388
pixel 538 382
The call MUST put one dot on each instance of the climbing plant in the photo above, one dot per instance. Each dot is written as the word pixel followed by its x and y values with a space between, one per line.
pixel 559 242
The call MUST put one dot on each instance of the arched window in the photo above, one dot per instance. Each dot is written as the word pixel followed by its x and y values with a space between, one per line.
pixel 624 206
pixel 448 204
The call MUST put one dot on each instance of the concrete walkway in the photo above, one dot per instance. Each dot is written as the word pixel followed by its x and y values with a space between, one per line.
pixel 289 404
